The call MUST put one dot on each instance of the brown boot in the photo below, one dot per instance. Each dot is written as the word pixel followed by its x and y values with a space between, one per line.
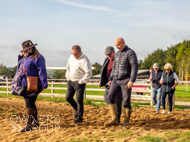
pixel 127 114
pixel 114 115
pixel 29 115
pixel 35 122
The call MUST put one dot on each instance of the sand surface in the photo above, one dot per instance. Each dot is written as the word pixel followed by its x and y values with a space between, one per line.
pixel 56 123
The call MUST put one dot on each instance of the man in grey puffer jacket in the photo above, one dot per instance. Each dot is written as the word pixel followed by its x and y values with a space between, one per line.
pixel 123 76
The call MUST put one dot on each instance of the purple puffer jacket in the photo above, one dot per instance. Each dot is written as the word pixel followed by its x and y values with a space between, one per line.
pixel 35 67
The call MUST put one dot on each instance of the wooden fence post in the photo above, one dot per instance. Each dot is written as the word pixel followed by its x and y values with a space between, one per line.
pixel 7 88
pixel 52 89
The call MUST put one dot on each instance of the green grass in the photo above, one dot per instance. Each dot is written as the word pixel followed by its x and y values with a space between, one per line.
pixel 179 107
pixel 96 103
pixel 181 94
pixel 180 137
pixel 3 89
pixel 184 137
pixel 54 99
pixel 172 135
pixel 9 96
pixel 150 139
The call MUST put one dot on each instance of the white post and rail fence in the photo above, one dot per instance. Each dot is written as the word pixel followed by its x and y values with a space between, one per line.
pixel 141 91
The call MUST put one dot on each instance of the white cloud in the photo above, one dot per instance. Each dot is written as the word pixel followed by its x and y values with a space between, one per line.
pixel 180 35
pixel 93 7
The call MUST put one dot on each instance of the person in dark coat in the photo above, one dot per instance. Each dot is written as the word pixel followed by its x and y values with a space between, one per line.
pixel 169 81
pixel 34 65
pixel 155 77
pixel 122 77
pixel 105 74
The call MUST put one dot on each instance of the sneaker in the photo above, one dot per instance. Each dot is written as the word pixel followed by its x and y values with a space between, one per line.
pixel 163 112
pixel 78 120
pixel 157 111
pixel 169 112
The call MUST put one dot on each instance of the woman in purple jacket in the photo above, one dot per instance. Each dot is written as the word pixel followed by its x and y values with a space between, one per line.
pixel 34 65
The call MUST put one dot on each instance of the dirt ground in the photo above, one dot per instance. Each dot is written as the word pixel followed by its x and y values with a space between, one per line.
pixel 56 123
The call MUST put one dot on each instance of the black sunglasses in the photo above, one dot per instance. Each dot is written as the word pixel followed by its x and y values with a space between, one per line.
pixel 167 69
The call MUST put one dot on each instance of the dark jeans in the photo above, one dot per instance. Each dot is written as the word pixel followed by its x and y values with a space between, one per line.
pixel 30 97
pixel 30 102
pixel 73 87
pixel 118 101
pixel 170 97
pixel 116 86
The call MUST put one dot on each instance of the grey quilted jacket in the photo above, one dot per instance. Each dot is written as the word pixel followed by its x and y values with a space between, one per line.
pixel 125 65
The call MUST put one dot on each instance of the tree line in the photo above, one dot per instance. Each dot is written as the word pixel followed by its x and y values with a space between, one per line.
pixel 178 55
pixel 7 71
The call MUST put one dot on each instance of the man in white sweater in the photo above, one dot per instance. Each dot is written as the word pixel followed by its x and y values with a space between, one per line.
pixel 77 75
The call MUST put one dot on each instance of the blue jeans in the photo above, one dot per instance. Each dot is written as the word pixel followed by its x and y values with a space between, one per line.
pixel 157 101
pixel 170 97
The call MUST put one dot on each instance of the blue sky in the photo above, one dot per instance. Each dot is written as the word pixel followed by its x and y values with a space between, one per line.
pixel 57 25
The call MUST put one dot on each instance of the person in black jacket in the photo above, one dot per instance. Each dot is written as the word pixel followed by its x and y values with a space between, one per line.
pixel 155 77
pixel 105 74
pixel 122 77
pixel 168 86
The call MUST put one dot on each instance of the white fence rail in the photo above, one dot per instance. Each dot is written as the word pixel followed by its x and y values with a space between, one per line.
pixel 139 88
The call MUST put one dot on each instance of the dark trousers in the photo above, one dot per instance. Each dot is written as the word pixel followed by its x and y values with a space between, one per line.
pixel 170 97
pixel 119 85
pixel 73 87
pixel 30 102
pixel 118 101
pixel 30 98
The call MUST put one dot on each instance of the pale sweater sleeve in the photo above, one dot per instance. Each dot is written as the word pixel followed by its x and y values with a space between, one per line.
pixel 88 71
pixel 176 77
pixel 68 70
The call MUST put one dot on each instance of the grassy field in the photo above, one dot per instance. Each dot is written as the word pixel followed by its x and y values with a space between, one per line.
pixel 180 93
pixel 96 103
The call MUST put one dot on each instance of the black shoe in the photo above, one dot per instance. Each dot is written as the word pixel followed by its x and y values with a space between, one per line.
pixel 26 128
pixel 78 120
pixel 75 115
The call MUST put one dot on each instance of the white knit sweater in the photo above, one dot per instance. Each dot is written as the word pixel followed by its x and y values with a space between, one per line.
pixel 79 69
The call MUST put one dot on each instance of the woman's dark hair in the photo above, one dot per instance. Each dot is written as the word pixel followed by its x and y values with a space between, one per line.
pixel 36 53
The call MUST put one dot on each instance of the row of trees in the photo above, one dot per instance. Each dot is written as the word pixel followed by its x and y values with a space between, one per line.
pixel 178 55
pixel 6 71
